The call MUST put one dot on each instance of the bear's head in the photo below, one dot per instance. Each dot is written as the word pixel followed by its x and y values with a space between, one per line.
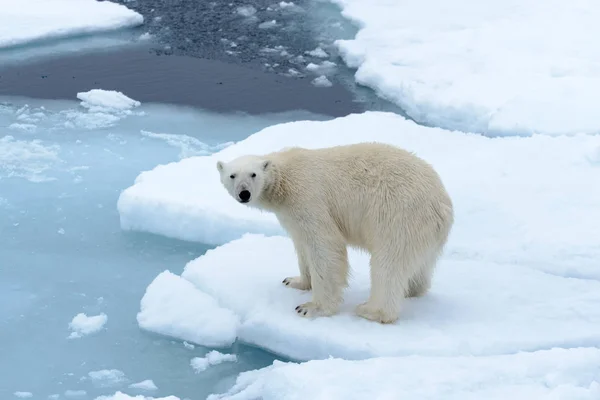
pixel 245 178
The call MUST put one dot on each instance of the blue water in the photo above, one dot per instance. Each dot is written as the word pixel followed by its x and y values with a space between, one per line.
pixel 62 250
pixel 61 171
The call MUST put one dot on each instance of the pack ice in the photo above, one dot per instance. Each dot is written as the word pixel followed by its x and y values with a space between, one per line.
pixel 519 282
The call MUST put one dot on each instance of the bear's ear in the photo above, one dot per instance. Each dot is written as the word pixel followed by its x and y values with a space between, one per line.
pixel 265 164
pixel 220 166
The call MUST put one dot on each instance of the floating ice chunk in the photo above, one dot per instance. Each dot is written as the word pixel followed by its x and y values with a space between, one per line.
pixel 107 377
pixel 172 306
pixel 326 67
pixel 31 20
pixel 549 374
pixel 54 396
pixel 488 70
pixel 82 325
pixel 474 307
pixel 267 24
pixel 322 81
pixel 188 346
pixel 246 11
pixel 213 357
pixel 147 384
pixel 502 208
pixel 23 395
pixel 284 4
pixel 318 52
pixel 99 99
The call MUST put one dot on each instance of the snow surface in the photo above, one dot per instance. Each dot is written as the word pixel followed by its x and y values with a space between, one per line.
pixel 495 67
pixel 172 306
pixel 213 357
pixel 82 325
pixel 475 307
pixel 544 375
pixel 25 21
pixel 527 200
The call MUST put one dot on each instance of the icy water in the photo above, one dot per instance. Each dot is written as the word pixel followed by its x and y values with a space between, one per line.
pixel 62 251
pixel 63 167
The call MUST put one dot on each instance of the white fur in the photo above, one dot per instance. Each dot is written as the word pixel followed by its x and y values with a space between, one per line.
pixel 371 196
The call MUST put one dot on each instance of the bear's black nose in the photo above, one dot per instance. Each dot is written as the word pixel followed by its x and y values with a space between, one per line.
pixel 244 196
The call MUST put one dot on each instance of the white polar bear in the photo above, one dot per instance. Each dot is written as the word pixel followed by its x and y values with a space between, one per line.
pixel 370 196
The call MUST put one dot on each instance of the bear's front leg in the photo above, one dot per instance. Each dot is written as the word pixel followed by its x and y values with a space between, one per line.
pixel 301 282
pixel 328 262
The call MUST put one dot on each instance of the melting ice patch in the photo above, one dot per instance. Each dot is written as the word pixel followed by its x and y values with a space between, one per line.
pixel 24 21
pixel 107 377
pixel 213 357
pixel 188 146
pixel 28 159
pixel 496 69
pixel 123 396
pixel 82 325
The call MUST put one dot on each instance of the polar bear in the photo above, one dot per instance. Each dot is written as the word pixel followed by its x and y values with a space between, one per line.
pixel 370 196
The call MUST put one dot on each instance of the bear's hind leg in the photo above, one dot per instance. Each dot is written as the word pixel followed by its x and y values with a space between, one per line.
pixel 420 282
pixel 301 282
pixel 389 286
pixel 328 261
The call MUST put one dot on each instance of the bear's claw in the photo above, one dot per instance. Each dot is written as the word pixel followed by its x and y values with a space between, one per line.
pixel 310 310
pixel 296 282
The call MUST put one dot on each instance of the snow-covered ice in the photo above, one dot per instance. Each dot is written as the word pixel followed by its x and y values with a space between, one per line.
pixel 82 325
pixel 516 199
pixel 518 279
pixel 147 384
pixel 496 67
pixel 172 306
pixel 200 364
pixel 545 375
pixel 25 21
pixel 475 307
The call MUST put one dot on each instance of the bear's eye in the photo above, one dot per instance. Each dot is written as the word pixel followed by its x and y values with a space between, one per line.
pixel 232 176
pixel 253 175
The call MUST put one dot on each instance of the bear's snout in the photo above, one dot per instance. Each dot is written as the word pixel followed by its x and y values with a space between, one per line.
pixel 244 196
